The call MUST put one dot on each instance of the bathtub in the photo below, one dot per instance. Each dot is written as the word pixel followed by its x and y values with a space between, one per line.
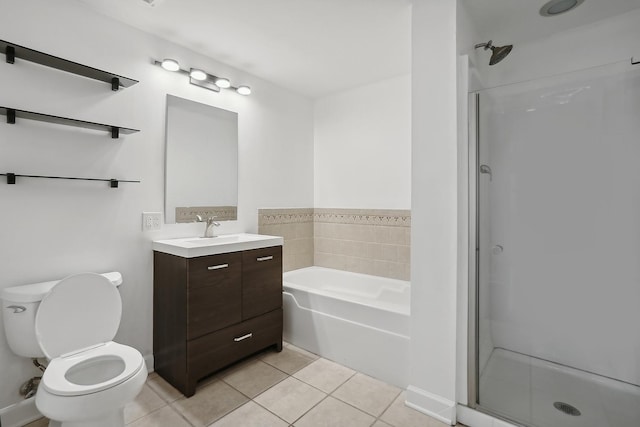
pixel 357 320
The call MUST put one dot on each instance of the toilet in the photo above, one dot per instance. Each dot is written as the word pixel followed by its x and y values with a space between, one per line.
pixel 89 378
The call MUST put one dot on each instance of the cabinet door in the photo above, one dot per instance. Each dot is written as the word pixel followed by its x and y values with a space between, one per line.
pixel 261 281
pixel 214 293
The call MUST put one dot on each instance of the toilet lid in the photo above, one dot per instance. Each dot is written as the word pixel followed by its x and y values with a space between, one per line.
pixel 80 311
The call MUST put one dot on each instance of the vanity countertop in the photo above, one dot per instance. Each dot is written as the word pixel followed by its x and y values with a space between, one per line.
pixel 191 247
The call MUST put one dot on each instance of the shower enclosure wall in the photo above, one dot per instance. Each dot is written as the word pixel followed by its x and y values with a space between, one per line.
pixel 556 249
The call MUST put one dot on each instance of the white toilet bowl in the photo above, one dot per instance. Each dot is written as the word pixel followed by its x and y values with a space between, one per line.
pixel 92 387
pixel 89 378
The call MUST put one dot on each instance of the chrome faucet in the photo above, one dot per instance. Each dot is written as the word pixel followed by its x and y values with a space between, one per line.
pixel 208 231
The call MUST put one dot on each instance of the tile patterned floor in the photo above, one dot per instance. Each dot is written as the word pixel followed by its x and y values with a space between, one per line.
pixel 290 388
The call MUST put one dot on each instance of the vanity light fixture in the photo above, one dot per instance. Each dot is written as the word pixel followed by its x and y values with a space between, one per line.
pixel 201 78
pixel 197 74
pixel 223 83
pixel 170 64
pixel 243 90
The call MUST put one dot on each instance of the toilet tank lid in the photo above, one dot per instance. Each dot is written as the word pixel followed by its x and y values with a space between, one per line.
pixel 34 292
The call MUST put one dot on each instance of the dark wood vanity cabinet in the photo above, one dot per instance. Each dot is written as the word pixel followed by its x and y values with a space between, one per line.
pixel 211 311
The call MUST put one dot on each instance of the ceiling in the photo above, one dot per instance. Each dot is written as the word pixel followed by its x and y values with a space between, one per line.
pixel 518 21
pixel 318 47
pixel 312 47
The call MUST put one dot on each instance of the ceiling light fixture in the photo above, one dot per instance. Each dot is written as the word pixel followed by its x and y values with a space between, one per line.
pixel 201 78
pixel 557 7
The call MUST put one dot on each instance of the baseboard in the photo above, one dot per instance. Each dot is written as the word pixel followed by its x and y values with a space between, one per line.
pixel 20 413
pixel 433 405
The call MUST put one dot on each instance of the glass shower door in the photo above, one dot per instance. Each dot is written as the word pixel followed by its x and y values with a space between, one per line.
pixel 558 201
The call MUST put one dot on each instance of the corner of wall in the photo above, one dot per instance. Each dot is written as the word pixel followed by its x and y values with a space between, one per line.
pixel 433 405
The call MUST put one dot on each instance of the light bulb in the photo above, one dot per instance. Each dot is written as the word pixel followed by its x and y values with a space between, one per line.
pixel 198 74
pixel 244 90
pixel 223 83
pixel 170 64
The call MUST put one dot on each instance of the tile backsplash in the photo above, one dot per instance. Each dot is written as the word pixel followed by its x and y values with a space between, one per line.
pixel 220 213
pixel 369 241
pixel 296 227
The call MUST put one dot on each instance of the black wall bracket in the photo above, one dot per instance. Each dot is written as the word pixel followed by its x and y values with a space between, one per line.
pixel 10 53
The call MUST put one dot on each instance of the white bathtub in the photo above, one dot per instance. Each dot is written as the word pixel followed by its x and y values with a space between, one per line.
pixel 357 320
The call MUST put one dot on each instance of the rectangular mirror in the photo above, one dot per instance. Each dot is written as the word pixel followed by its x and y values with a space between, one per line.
pixel 201 173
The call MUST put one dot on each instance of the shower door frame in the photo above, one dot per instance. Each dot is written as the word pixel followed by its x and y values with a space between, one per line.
pixel 474 252
pixel 473 332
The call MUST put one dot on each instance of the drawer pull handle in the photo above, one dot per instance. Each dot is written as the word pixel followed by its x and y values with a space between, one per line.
pixel 264 258
pixel 217 267
pixel 244 337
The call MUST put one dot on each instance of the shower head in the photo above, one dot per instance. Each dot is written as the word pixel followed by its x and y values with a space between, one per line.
pixel 497 53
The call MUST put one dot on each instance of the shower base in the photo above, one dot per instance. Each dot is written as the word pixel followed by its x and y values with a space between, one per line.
pixel 539 393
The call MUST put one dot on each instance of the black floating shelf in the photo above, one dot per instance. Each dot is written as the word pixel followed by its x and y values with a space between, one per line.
pixel 13 113
pixel 113 183
pixel 12 51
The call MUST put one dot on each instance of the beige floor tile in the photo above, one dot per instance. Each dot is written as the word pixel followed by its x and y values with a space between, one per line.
pixel 163 388
pixel 250 414
pixel 209 403
pixel 300 350
pixel 165 417
pixel 288 360
pixel 324 374
pixel 42 422
pixel 290 399
pixel 380 424
pixel 334 413
pixel 366 393
pixel 399 414
pixel 254 378
pixel 145 403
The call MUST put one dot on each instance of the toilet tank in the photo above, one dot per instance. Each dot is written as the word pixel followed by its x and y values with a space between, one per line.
pixel 19 307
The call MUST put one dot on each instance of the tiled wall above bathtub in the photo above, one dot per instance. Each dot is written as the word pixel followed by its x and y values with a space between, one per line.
pixel 369 241
pixel 296 227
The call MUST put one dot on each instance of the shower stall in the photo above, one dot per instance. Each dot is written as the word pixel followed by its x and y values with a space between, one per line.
pixel 555 252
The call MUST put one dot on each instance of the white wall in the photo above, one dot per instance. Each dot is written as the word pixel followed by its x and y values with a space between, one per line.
pixel 434 209
pixel 363 147
pixel 603 42
pixel 50 229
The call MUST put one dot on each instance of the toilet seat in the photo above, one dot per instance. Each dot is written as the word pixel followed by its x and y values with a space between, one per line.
pixel 75 325
pixel 90 364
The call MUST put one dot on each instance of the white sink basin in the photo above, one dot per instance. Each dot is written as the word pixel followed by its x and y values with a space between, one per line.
pixel 190 247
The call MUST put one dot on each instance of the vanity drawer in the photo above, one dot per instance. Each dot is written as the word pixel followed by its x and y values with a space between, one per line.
pixel 214 293
pixel 261 281
pixel 215 270
pixel 212 352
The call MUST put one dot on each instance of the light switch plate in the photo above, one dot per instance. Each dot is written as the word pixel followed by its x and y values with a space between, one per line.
pixel 151 221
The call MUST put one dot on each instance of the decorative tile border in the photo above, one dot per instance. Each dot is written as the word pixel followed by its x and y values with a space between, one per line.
pixel 385 217
pixel 221 213
pixel 284 216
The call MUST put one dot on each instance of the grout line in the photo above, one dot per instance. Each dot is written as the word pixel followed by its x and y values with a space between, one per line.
pixel 326 396
pixel 154 410
pixel 180 413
